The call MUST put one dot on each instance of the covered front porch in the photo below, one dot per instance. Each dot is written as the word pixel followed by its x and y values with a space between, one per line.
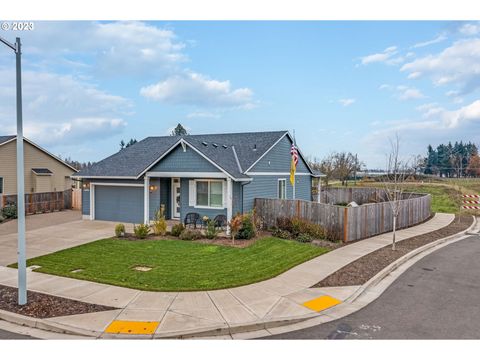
pixel 206 194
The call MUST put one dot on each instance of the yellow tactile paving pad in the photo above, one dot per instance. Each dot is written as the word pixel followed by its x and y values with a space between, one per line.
pixel 132 327
pixel 321 303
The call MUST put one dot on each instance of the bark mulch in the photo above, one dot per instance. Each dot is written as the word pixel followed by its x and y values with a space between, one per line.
pixel 364 268
pixel 43 306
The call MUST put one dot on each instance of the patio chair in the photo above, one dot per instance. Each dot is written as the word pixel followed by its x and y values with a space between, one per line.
pixel 220 221
pixel 191 219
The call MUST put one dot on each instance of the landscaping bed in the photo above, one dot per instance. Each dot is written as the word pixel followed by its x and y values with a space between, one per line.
pixel 363 269
pixel 43 306
pixel 176 265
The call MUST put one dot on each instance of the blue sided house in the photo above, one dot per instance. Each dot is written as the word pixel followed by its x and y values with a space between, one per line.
pixel 210 175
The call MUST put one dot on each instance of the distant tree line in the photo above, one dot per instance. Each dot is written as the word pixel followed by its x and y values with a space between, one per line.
pixel 77 164
pixel 457 160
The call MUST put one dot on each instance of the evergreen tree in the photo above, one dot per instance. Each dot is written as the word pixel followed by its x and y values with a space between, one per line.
pixel 179 131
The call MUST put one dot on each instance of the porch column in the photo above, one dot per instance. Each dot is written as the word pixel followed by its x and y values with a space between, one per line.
pixel 229 203
pixel 146 200
pixel 92 201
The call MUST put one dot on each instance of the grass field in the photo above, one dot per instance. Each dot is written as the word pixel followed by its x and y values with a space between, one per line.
pixel 446 193
pixel 176 265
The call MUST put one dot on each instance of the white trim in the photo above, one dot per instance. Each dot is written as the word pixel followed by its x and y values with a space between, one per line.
pixel 42 149
pixel 173 195
pixel 206 158
pixel 180 174
pixel 236 158
pixel 229 203
pixel 284 189
pixel 104 177
pixel 276 142
pixel 9 141
pixel 92 201
pixel 208 194
pixel 277 174
pixel 86 217
pixel 265 153
pixel 146 200
pixel 160 158
pixel 116 184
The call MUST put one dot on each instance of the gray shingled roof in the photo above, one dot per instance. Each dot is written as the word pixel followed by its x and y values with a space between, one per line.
pixel 6 138
pixel 132 161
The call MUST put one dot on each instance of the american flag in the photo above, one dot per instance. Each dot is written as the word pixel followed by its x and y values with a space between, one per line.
pixel 294 153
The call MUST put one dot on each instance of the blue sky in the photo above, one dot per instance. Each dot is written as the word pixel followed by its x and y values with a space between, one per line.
pixel 343 86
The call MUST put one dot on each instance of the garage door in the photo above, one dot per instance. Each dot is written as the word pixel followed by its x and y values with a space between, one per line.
pixel 119 203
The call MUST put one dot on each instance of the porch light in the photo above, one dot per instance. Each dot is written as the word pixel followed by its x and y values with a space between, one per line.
pixel 153 188
pixel 86 185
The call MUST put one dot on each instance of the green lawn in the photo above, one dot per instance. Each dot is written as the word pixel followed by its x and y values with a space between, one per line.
pixel 445 199
pixel 177 265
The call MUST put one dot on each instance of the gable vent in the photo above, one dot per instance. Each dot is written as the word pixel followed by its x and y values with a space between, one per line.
pixel 204 143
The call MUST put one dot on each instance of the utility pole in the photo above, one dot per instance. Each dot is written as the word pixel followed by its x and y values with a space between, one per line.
pixel 22 266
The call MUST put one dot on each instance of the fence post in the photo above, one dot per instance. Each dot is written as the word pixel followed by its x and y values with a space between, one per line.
pixel 345 224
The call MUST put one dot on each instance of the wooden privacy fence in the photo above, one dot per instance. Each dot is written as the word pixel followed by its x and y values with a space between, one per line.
pixel 348 223
pixel 77 199
pixel 42 202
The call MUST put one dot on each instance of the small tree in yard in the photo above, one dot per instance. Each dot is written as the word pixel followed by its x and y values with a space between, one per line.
pixel 394 182
pixel 235 226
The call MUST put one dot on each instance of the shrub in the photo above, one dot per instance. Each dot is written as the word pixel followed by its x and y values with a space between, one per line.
pixel 297 227
pixel 10 211
pixel 1 218
pixel 189 234
pixel 211 231
pixel 235 225
pixel 282 234
pixel 159 222
pixel 177 229
pixel 119 230
pixel 284 223
pixel 304 238
pixel 247 230
pixel 141 231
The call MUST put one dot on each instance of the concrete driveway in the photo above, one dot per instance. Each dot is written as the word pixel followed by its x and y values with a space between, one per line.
pixel 47 233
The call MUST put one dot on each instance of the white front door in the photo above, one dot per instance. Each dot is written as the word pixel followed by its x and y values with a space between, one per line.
pixel 176 198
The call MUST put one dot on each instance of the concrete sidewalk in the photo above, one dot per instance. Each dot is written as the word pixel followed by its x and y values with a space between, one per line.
pixel 254 307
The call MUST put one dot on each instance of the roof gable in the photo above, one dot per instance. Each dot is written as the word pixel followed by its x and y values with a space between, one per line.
pixel 233 153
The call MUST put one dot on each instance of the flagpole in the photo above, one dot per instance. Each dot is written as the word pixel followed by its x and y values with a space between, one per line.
pixel 294 174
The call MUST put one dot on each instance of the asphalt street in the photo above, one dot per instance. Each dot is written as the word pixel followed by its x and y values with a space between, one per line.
pixel 437 298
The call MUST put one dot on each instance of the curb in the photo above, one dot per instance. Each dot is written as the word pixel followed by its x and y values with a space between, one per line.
pixel 51 325
pixel 397 263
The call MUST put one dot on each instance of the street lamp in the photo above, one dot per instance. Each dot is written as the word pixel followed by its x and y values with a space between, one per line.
pixel 22 266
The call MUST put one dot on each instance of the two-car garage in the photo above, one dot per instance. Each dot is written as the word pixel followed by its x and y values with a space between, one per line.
pixel 118 203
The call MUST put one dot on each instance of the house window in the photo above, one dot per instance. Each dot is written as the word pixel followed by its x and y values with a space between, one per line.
pixel 1 185
pixel 209 193
pixel 282 188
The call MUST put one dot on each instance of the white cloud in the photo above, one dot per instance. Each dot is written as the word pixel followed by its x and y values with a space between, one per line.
pixel 61 109
pixel 407 93
pixel 384 56
pixel 403 92
pixel 458 65
pixel 190 88
pixel 108 48
pixel 470 29
pixel 203 114
pixel 438 39
pixel 347 102
pixel 74 131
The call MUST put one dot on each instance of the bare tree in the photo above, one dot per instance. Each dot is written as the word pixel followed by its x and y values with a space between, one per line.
pixel 394 182
pixel 326 166
pixel 345 165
